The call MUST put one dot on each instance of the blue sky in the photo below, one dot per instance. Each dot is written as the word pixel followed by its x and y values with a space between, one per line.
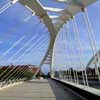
pixel 18 26
pixel 16 31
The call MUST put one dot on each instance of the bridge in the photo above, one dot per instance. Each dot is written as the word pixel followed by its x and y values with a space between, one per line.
pixel 59 35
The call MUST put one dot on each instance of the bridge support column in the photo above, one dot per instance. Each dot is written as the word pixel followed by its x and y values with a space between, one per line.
pixel 51 69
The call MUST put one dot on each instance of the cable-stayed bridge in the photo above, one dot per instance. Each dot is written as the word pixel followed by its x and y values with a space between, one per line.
pixel 66 37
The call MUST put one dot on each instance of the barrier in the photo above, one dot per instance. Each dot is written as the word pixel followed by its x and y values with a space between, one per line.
pixel 86 92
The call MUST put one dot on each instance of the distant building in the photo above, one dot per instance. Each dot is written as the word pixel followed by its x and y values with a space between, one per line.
pixel 34 69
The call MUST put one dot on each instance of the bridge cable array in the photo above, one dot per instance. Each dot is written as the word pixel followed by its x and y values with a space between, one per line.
pixel 72 73
pixel 91 38
pixel 38 44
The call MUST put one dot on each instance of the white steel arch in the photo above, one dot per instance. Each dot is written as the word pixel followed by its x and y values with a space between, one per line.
pixel 73 7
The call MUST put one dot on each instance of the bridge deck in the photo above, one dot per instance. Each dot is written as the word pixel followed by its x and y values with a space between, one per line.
pixel 38 90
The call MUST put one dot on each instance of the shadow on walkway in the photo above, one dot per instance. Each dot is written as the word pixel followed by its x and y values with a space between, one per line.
pixel 62 92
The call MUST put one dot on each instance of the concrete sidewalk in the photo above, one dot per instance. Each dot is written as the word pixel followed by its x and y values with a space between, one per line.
pixel 37 90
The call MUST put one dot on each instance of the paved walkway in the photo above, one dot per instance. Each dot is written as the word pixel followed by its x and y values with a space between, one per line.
pixel 37 90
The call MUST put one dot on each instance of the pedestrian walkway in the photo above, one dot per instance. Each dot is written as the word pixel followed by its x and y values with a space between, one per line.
pixel 37 90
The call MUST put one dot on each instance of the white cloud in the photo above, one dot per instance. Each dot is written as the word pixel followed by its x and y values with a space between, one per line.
pixel 1 42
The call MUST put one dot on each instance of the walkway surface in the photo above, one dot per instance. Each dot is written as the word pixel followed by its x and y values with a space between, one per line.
pixel 38 90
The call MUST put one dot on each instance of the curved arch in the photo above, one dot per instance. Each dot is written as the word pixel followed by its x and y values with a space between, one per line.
pixel 73 8
pixel 93 59
pixel 39 11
